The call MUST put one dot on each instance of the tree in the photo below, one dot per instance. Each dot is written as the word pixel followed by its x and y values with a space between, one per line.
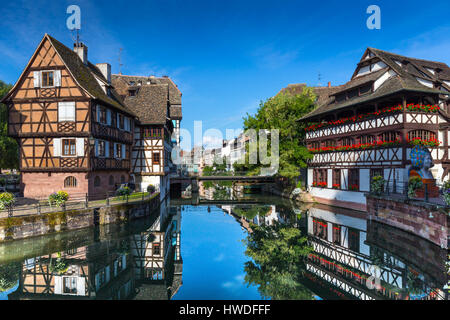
pixel 9 275
pixel 9 149
pixel 281 112
pixel 277 265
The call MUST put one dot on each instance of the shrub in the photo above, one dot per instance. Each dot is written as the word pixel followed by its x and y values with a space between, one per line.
pixel 414 184
pixel 151 189
pixel 58 198
pixel 2 182
pixel 6 200
pixel 377 185
pixel 123 191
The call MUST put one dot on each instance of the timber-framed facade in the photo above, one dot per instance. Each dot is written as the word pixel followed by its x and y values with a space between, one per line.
pixel 367 127
pixel 74 132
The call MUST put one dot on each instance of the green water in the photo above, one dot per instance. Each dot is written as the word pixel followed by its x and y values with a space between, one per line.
pixel 186 251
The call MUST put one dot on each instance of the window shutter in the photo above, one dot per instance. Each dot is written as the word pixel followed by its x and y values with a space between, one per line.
pixel 115 149
pixel 57 147
pixel 115 268
pixel 108 117
pixel 81 286
pixel 108 273
pixel 80 147
pixel 106 149
pixel 98 113
pixel 58 285
pixel 37 79
pixel 96 148
pixel 123 151
pixel 57 74
pixel 66 111
pixel 124 262
pixel 97 281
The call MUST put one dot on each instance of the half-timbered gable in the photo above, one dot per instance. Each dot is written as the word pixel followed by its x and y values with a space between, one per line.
pixel 60 110
pixel 369 123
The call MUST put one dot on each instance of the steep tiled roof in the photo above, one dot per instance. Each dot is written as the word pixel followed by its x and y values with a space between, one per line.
pixel 322 93
pixel 84 75
pixel 156 99
pixel 405 79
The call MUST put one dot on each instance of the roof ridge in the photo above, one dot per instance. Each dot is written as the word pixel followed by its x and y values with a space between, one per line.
pixel 411 58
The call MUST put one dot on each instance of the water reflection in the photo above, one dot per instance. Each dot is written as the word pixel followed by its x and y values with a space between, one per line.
pixel 288 252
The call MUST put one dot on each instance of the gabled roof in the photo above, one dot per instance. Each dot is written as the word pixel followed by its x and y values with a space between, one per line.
pixel 84 74
pixel 402 78
pixel 156 100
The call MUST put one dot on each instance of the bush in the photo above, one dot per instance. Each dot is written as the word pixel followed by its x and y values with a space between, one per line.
pixel 58 198
pixel 377 185
pixel 2 182
pixel 6 200
pixel 151 189
pixel 414 184
pixel 123 191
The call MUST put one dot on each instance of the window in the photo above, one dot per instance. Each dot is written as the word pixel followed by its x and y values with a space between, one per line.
pixel 101 148
pixel 336 179
pixel 151 132
pixel 102 115
pixel 353 179
pixel 156 249
pixel 111 180
pixel 347 142
pixel 66 111
pixel 131 93
pixel 118 151
pixel 70 182
pixel 97 181
pixel 101 277
pixel 121 121
pixel 366 139
pixel 353 239
pixel 122 179
pixel 69 147
pixel 156 158
pixel 320 178
pixel 47 79
pixel 389 136
pixel 329 143
pixel 336 234
pixel 320 228
pixel 421 134
pixel 70 285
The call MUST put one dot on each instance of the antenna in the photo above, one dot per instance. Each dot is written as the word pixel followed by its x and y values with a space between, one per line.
pixel 120 60
pixel 319 78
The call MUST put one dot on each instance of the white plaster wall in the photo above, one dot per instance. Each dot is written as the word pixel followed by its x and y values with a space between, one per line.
pixel 342 195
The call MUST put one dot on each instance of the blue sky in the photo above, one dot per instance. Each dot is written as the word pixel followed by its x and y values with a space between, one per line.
pixel 227 56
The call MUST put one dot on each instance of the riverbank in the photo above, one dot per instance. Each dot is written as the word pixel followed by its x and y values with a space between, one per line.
pixel 22 227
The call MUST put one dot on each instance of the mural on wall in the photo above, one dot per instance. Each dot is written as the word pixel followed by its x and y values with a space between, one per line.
pixel 422 162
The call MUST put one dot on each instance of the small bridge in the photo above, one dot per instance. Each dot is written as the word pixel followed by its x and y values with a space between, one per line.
pixel 197 201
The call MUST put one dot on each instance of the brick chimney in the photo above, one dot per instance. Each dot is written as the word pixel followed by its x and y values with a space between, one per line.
pixel 329 84
pixel 82 50
pixel 105 69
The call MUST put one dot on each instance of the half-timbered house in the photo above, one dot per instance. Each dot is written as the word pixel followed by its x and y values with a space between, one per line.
pixel 75 133
pixel 368 126
pixel 157 103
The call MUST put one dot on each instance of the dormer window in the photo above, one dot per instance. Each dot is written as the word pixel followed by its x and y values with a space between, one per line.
pixel 132 83
pixel 47 79
pixel 131 93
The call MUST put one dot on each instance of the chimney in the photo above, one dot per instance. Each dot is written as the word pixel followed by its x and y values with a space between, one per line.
pixel 105 69
pixel 329 84
pixel 82 50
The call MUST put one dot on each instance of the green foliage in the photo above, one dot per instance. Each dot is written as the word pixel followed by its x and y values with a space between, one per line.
pixel 414 184
pixel 216 170
pixel 9 275
pixel 277 252
pixel 151 189
pixel 446 192
pixel 252 212
pixel 123 191
pixel 6 200
pixel 58 198
pixel 9 149
pixel 281 112
pixel 59 266
pixel 377 185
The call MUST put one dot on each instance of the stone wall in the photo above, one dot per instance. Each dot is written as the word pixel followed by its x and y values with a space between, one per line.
pixel 428 221
pixel 29 226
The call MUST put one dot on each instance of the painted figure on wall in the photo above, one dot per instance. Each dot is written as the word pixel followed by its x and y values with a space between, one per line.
pixel 422 162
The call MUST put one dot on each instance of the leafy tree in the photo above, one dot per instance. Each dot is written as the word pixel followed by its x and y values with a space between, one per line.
pixel 281 112
pixel 278 253
pixel 9 150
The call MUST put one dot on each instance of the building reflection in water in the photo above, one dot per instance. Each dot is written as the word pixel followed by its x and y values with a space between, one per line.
pixel 147 265
pixel 353 258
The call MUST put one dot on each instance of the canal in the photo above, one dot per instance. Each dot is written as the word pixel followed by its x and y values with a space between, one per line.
pixel 258 247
